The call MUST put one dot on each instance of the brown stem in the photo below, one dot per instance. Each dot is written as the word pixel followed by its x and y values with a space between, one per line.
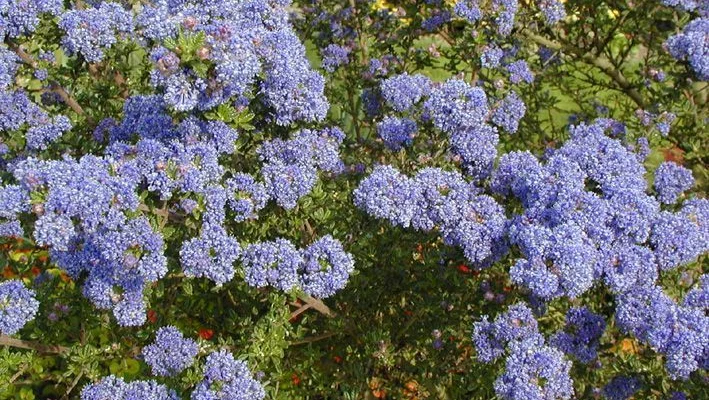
pixel 299 311
pixel 73 385
pixel 312 339
pixel 53 86
pixel 599 62
pixel 30 345
pixel 18 374
pixel 318 305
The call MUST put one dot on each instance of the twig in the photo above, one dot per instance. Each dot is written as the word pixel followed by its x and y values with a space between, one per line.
pixel 318 305
pixel 73 385
pixel 26 344
pixel 313 339
pixel 18 374
pixel 600 62
pixel 53 86
pixel 299 311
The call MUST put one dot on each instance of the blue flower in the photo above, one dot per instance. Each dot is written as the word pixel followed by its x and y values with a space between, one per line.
pixel 326 267
pixel 671 180
pixel 171 353
pixel 17 306
pixel 227 378
pixel 272 263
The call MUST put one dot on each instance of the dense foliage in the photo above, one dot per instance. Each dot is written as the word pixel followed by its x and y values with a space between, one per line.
pixel 249 199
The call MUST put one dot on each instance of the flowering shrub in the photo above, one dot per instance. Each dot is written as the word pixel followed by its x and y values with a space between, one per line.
pixel 368 199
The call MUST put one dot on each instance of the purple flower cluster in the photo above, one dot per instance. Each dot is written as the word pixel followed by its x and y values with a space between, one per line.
pixel 580 338
pixel 112 387
pixel 690 45
pixel 439 199
pixel 89 31
pixel 171 353
pixel 514 334
pixel 244 43
pixel 671 180
pixel 226 378
pixel 290 166
pixel 334 56
pixel 17 112
pixel 17 306
pixel 397 132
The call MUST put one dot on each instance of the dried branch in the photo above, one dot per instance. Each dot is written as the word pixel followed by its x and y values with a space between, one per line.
pixel 30 345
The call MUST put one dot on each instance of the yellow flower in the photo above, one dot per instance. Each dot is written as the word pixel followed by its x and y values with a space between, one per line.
pixel 382 5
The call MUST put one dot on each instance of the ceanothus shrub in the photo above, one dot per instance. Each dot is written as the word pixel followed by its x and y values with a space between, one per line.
pixel 182 184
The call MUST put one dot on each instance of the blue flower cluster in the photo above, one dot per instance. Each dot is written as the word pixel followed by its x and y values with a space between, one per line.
pixel 171 353
pixel 325 267
pixel 520 72
pixel 115 388
pixel 441 200
pixel 582 334
pixel 334 56
pixel 505 11
pixel 671 180
pixel 401 92
pixel 91 30
pixel 491 56
pixel 243 43
pixel 397 132
pixel 690 45
pixel 553 10
pixel 533 370
pixel 18 112
pixel 273 263
pixel 9 62
pixel 227 378
pixel 88 209
pixel 211 255
pixel 509 112
pixel 680 332
pixel 586 217
pixel 621 388
pixel 22 17
pixel 456 108
pixel 290 166
pixel 17 306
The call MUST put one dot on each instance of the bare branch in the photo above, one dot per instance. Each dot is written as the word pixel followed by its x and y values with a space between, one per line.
pixel 30 345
